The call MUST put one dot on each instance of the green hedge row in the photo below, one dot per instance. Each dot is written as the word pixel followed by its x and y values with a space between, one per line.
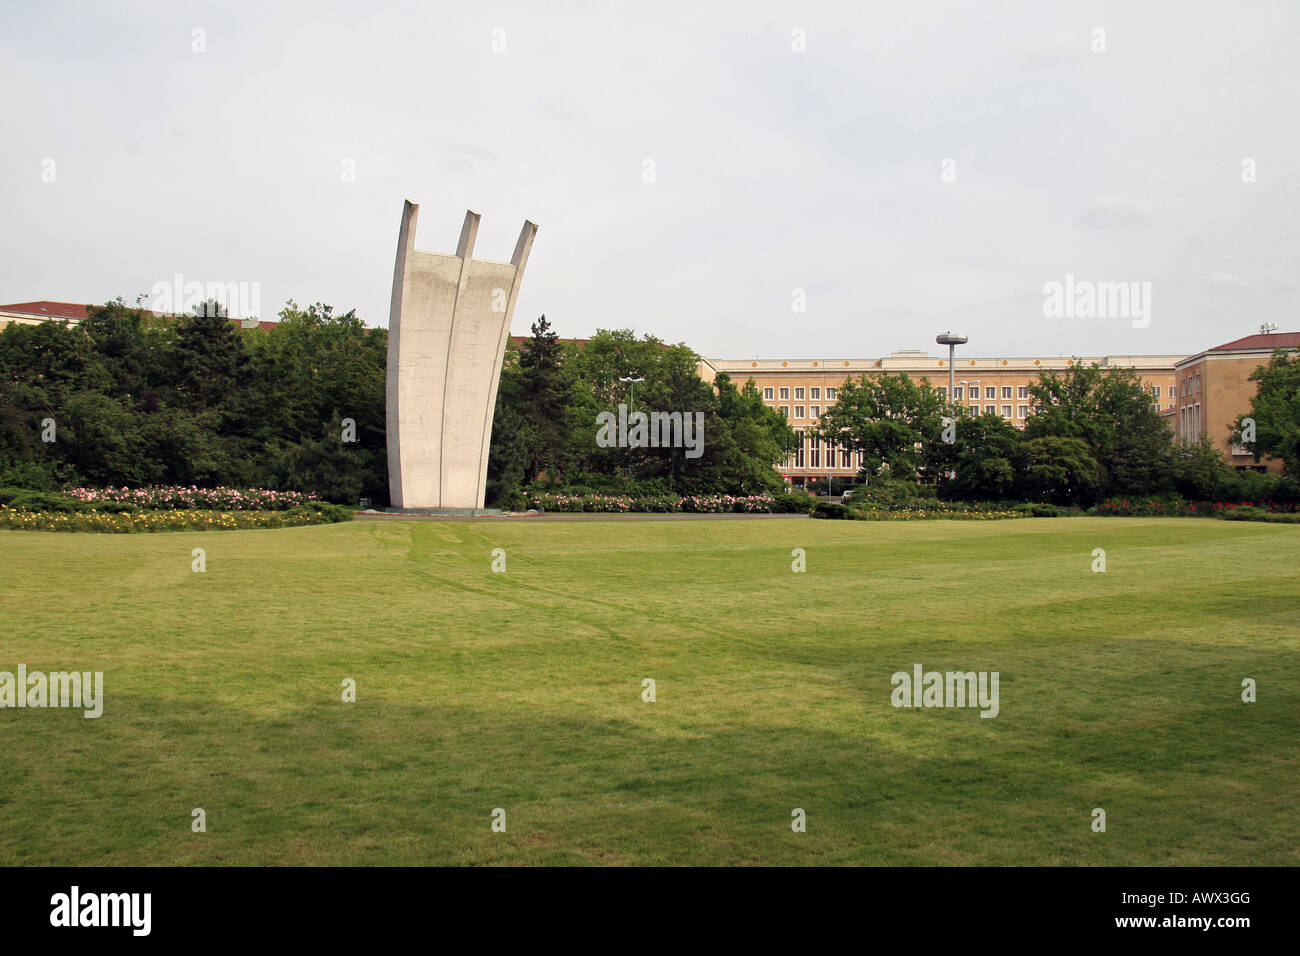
pixel 169 520
pixel 586 501
pixel 922 509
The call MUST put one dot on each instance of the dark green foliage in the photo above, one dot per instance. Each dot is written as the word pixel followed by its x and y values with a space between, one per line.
pixel 544 434
pixel 1275 409
pixel 794 503
pixel 22 500
pixel 885 417
pixel 139 399
pixel 986 461
pixel 1100 414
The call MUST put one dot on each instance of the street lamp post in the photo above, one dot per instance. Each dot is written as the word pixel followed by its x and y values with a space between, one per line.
pixel 952 340
pixel 631 402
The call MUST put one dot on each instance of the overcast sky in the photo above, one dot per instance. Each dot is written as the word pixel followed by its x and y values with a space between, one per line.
pixel 690 169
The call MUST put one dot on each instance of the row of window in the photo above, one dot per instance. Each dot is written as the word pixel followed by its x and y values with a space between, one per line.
pixel 813 393
pixel 958 391
pixel 803 412
pixel 990 391
pixel 809 454
pixel 1190 384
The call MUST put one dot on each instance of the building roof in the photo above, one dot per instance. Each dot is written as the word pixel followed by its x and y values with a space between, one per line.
pixel 48 310
pixel 76 312
pixel 1261 340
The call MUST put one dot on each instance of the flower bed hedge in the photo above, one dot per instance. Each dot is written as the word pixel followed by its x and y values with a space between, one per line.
pixel 668 504
pixel 169 520
pixel 933 509
pixel 192 498
pixel 916 509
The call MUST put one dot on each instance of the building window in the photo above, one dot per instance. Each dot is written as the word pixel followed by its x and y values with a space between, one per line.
pixel 798 411
pixel 785 411
pixel 1006 409
pixel 785 395
pixel 990 409
pixel 798 450
pixel 830 394
pixel 767 394
pixel 844 458
pixel 1198 381
pixel 1006 392
pixel 975 410
pixel 990 392
pixel 1155 393
pixel 1022 411
pixel 798 394
pixel 1023 392
pixel 956 393
pixel 816 411
pixel 814 393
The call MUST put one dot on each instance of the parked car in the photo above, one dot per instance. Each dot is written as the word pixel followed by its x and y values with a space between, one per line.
pixel 844 498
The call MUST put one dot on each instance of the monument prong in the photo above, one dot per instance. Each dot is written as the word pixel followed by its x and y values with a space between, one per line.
pixel 448 323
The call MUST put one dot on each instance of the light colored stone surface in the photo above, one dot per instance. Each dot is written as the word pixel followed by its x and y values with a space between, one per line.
pixel 448 323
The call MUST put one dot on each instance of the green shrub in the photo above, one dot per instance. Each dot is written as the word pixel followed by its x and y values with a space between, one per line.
pixel 1249 513
pixel 44 501
pixel 829 509
pixel 793 503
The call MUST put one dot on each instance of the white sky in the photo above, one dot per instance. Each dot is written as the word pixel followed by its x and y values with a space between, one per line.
pixel 774 170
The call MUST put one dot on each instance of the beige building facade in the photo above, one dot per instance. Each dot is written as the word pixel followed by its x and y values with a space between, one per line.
pixel 1213 388
pixel 803 389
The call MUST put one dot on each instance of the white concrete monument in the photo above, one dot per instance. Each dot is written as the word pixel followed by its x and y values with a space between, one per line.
pixel 447 329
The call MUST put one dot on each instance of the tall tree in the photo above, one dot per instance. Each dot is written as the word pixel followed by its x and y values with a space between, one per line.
pixel 1111 412
pixel 889 418
pixel 1275 409
pixel 546 391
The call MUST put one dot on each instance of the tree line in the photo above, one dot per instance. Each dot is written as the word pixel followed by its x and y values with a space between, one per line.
pixel 131 398
pixel 1092 434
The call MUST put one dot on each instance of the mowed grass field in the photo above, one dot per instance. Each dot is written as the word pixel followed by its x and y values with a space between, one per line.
pixel 523 691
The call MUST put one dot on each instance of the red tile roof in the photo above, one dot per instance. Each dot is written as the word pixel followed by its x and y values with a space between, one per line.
pixel 1262 340
pixel 48 310
pixel 77 312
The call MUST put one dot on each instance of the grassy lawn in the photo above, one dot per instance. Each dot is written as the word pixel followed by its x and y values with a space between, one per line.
pixel 522 690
